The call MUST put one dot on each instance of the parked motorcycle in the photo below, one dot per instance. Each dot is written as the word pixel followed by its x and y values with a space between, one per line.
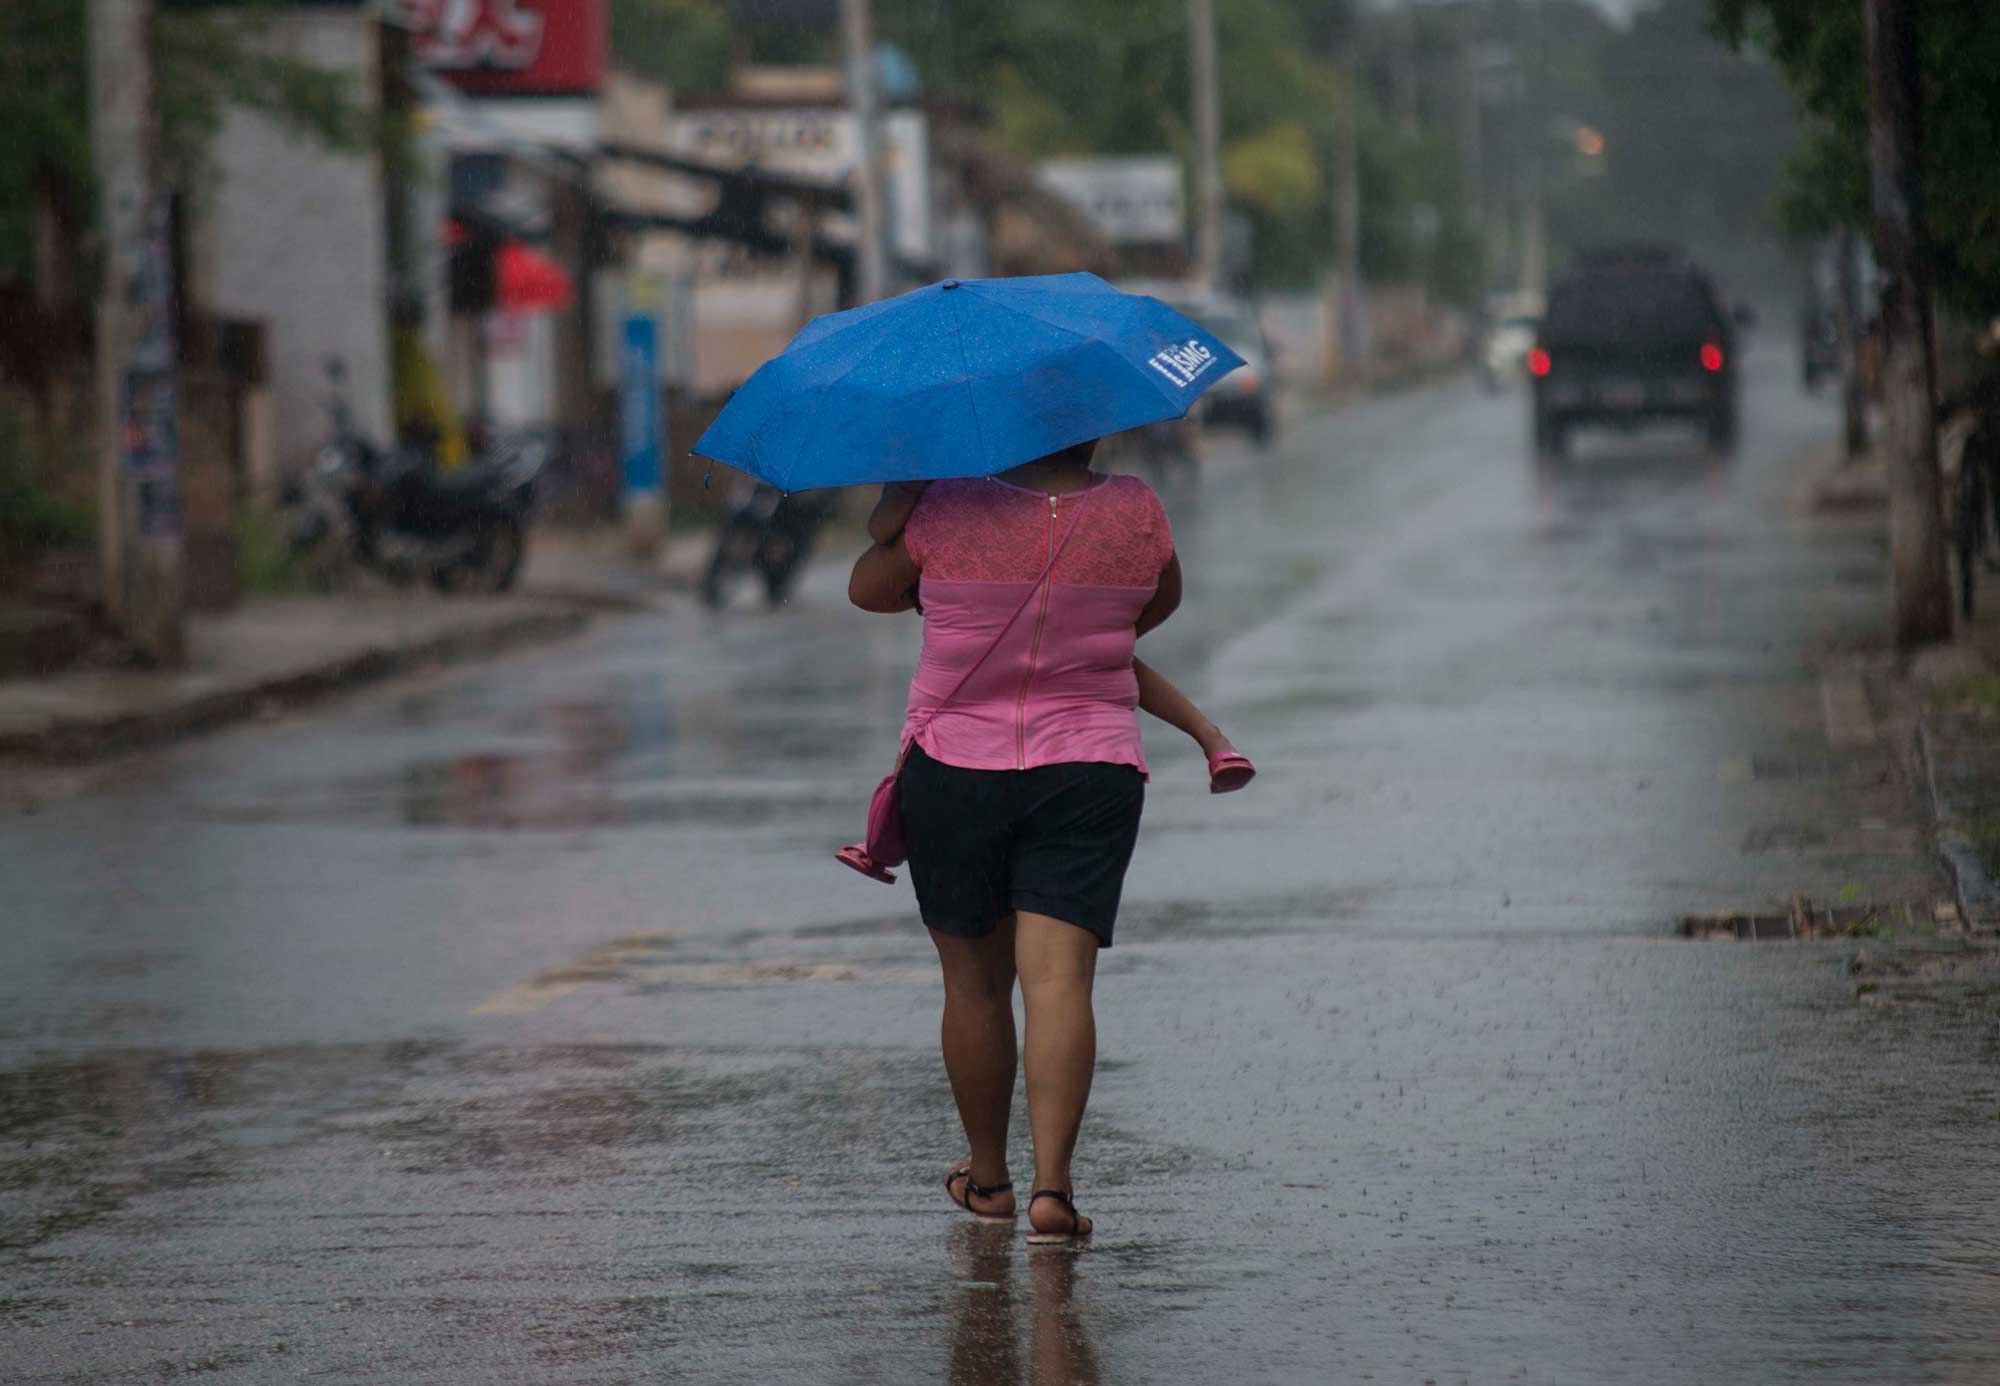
pixel 768 533
pixel 398 513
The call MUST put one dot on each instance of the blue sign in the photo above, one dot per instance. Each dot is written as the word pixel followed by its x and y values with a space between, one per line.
pixel 639 405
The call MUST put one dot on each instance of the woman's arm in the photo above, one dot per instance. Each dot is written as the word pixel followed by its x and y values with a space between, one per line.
pixel 892 511
pixel 884 578
pixel 1159 696
pixel 1166 597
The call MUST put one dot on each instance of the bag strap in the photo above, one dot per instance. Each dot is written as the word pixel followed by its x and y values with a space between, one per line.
pixel 1047 575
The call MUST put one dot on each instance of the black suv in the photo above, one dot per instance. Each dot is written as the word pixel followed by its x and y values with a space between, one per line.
pixel 1630 336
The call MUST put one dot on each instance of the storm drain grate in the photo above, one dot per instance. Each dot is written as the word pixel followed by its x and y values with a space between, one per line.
pixel 1805 920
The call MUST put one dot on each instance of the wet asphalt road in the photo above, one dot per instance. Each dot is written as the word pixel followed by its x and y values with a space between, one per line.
pixel 515 1025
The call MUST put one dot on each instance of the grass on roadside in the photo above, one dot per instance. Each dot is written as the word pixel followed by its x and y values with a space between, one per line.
pixel 265 563
pixel 1978 696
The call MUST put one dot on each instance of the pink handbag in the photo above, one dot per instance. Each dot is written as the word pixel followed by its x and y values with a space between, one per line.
pixel 886 845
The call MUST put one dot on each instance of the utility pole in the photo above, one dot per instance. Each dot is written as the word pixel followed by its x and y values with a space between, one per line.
pixel 1853 399
pixel 1534 111
pixel 139 518
pixel 1347 193
pixel 1207 141
pixel 1403 67
pixel 1920 588
pixel 1470 134
pixel 857 24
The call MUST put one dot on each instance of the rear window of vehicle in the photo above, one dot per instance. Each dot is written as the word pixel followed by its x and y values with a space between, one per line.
pixel 1630 306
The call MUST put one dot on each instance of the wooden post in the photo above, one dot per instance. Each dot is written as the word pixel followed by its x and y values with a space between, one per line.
pixel 1347 325
pixel 1207 100
pixel 1853 397
pixel 857 21
pixel 138 445
pixel 1919 585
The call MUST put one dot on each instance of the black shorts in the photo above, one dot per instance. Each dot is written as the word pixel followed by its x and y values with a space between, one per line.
pixel 1053 840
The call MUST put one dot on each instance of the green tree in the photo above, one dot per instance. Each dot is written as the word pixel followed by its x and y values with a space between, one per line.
pixel 685 44
pixel 208 59
pixel 1108 77
pixel 1821 46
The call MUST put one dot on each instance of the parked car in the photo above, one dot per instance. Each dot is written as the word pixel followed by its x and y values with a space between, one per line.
pixel 1503 352
pixel 1633 335
pixel 1247 399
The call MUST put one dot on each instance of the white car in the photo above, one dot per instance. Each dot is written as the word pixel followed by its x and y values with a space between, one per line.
pixel 1503 355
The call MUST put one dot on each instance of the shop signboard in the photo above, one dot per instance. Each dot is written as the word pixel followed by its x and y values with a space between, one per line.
pixel 822 143
pixel 509 47
pixel 1132 201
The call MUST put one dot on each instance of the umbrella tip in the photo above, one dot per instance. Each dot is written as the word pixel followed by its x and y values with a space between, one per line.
pixel 949 284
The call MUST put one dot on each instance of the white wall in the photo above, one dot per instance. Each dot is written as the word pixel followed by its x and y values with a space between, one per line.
pixel 294 236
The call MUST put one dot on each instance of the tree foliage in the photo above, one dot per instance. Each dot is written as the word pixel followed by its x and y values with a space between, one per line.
pixel 1821 45
pixel 1696 137
pixel 206 60
pixel 1109 77
pixel 685 44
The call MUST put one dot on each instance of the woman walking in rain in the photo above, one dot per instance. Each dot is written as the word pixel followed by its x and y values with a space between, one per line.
pixel 1024 779
pixel 1018 794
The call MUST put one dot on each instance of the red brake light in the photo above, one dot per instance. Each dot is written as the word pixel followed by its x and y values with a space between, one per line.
pixel 1711 356
pixel 1538 361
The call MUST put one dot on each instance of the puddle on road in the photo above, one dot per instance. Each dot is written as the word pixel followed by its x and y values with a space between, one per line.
pixel 535 791
pixel 645 965
pixel 84 1139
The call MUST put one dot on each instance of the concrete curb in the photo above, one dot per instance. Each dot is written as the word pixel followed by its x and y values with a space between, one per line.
pixel 79 739
pixel 1973 890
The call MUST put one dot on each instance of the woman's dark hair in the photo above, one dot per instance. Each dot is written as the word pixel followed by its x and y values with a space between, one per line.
pixel 1075 455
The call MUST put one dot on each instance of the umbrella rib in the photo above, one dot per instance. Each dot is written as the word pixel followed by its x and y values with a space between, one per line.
pixel 965 378
pixel 819 401
pixel 1088 339
pixel 1037 317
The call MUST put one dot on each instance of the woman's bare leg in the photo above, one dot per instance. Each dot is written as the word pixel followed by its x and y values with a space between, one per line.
pixel 1057 962
pixel 979 1049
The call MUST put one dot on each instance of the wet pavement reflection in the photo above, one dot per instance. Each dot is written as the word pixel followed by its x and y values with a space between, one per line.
pixel 514 1023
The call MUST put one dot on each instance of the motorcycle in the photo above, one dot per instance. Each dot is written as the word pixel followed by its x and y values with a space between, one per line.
pixel 398 513
pixel 766 532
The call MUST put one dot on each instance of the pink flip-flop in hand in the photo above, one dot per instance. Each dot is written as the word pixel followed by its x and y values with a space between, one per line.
pixel 856 856
pixel 1229 771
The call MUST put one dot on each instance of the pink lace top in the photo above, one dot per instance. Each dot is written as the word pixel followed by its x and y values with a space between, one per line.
pixel 1059 685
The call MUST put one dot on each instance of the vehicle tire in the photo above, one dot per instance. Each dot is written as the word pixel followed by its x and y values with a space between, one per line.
pixel 779 578
pixel 493 566
pixel 725 567
pixel 1722 428
pixel 1551 437
pixel 1261 430
pixel 716 581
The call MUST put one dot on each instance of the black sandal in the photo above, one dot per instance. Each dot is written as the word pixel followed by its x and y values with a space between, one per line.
pixel 1079 1228
pixel 972 1191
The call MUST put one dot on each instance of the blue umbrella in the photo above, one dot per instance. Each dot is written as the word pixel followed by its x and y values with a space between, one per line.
pixel 963 378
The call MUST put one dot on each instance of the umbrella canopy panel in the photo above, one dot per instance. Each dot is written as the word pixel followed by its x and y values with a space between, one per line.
pixel 964 379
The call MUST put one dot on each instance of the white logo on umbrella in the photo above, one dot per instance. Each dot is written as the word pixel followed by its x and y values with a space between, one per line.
pixel 1183 364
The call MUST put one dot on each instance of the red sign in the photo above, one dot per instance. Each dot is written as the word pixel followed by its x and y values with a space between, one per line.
pixel 509 47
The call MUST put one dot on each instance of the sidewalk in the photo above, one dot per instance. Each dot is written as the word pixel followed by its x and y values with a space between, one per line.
pixel 594 569
pixel 1959 741
pixel 282 652
pixel 269 653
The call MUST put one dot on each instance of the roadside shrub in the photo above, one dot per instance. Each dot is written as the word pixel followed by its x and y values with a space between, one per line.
pixel 266 566
pixel 33 514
